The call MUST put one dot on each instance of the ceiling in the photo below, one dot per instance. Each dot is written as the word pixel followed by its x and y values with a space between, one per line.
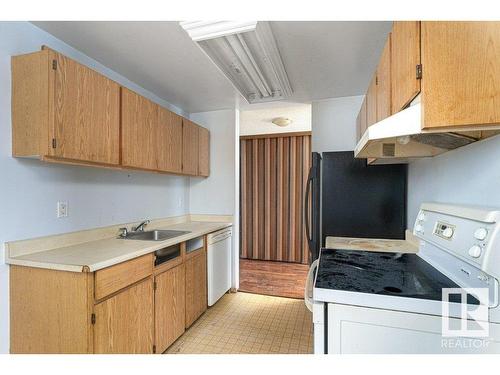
pixel 324 59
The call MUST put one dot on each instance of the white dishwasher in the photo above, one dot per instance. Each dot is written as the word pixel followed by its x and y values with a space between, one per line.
pixel 219 245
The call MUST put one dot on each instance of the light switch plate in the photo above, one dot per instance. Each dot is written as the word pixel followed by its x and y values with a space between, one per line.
pixel 62 209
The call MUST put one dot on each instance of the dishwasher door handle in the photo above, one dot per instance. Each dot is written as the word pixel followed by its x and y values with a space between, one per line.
pixel 220 237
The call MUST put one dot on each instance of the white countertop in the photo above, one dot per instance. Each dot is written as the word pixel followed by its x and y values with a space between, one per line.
pixel 372 244
pixel 91 256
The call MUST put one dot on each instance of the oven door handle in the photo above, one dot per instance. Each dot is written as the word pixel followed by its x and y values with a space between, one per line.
pixel 308 290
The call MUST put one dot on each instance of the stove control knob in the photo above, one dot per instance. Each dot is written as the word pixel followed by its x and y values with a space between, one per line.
pixel 419 228
pixel 448 232
pixel 475 251
pixel 421 216
pixel 480 234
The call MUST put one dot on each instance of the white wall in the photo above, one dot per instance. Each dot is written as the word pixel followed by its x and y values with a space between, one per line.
pixel 259 121
pixel 215 194
pixel 334 123
pixel 30 189
pixel 468 175
pixel 219 193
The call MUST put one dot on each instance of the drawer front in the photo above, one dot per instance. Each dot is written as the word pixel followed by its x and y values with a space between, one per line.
pixel 114 278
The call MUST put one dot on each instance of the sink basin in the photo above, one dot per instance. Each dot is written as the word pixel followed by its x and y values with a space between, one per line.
pixel 155 235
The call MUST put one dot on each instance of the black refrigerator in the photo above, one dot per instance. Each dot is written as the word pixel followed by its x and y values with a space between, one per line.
pixel 346 197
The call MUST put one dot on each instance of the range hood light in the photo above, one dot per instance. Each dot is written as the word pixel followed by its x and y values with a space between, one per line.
pixel 247 53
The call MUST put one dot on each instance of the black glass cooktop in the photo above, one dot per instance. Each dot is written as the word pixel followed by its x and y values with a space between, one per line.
pixel 392 274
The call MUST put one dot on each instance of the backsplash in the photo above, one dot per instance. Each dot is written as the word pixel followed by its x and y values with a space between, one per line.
pixel 469 175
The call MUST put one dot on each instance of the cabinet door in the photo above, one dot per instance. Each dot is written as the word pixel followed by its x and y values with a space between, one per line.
pixel 139 131
pixel 190 135
pixel 169 141
pixel 361 120
pixel 170 307
pixel 196 286
pixel 384 82
pixel 371 102
pixel 405 56
pixel 204 152
pixel 86 113
pixel 461 70
pixel 124 322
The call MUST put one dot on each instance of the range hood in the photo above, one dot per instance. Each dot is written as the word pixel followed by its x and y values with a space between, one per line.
pixel 400 138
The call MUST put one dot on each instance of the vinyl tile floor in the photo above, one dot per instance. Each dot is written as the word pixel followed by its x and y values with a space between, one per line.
pixel 244 323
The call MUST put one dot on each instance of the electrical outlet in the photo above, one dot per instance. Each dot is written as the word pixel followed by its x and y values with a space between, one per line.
pixel 179 202
pixel 62 209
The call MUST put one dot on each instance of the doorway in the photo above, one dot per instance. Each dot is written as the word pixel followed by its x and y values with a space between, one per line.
pixel 274 254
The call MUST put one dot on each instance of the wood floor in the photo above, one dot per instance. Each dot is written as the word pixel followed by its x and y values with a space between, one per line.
pixel 273 278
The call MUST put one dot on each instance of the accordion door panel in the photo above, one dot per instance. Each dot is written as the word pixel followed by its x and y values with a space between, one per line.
pixel 273 179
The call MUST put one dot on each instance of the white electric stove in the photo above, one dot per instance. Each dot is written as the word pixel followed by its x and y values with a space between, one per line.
pixel 381 302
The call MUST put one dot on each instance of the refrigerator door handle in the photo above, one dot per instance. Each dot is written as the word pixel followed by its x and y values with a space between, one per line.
pixel 306 207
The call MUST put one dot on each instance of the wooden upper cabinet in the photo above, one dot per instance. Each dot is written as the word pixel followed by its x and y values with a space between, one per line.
pixel 124 322
pixel 405 56
pixel 169 141
pixel 204 152
pixel 384 82
pixel 461 73
pixel 359 132
pixel 361 119
pixel 139 131
pixel 170 307
pixel 151 135
pixel 371 102
pixel 64 110
pixel 190 147
pixel 86 113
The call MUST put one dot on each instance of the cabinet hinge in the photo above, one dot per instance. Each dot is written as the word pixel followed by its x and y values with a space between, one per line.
pixel 419 71
pixel 154 349
pixel 154 285
pixel 92 318
pixel 54 143
pixel 54 64
pixel 376 80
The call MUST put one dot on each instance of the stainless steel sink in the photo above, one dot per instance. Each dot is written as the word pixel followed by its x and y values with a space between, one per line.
pixel 154 235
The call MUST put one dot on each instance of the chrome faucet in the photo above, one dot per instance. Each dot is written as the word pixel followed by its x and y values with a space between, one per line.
pixel 140 227
pixel 123 232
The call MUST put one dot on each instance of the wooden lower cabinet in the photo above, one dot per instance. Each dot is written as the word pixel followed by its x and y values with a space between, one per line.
pixel 130 307
pixel 170 307
pixel 50 311
pixel 196 285
pixel 124 322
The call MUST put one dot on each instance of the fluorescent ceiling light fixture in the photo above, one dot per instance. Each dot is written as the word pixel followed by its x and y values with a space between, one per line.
pixel 247 54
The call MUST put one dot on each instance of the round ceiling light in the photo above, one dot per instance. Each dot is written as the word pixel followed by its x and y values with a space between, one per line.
pixel 282 121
